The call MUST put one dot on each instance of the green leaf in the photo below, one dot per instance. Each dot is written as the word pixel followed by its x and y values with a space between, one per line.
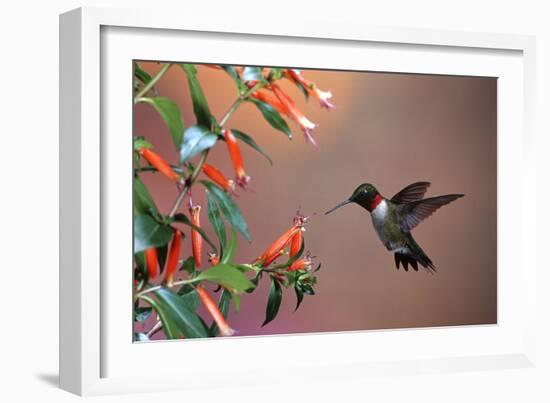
pixel 253 74
pixel 178 309
pixel 200 106
pixel 229 208
pixel 250 141
pixel 216 221
pixel 142 313
pixel 233 73
pixel 272 117
pixel 169 322
pixel 229 253
pixel 141 74
pixel 273 301
pixel 227 276
pixel 182 218
pixel 190 299
pixel 169 112
pixel 196 139
pixel 299 297
pixel 162 254
pixel 223 306
pixel 188 265
pixel 143 202
pixel 236 301
pixel 149 233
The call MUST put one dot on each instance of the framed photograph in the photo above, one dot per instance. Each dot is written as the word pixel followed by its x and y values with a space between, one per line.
pixel 236 196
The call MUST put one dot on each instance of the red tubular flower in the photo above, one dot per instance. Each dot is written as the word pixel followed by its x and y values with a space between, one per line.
pixel 296 244
pixel 270 99
pixel 295 114
pixel 196 238
pixel 217 177
pixel 212 308
pixel 152 262
pixel 158 162
pixel 173 258
pixel 276 248
pixel 236 158
pixel 213 259
pixel 322 96
pixel 301 264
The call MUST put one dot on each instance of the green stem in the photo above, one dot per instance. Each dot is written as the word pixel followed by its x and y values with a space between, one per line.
pixel 158 287
pixel 153 81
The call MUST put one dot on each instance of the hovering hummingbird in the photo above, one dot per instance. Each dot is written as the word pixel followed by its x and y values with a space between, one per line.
pixel 394 218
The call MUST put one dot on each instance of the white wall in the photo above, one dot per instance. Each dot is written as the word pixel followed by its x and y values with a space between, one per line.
pixel 29 202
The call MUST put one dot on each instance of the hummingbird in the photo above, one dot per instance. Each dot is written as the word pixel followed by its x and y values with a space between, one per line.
pixel 393 219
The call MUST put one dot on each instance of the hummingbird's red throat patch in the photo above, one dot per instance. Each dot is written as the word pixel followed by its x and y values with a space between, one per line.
pixel 375 202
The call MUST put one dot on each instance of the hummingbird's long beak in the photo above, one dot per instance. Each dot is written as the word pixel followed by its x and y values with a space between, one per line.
pixel 338 206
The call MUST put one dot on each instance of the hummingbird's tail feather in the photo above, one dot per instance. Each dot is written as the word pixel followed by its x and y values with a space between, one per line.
pixel 413 254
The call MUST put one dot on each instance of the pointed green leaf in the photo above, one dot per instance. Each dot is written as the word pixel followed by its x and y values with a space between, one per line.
pixel 228 207
pixel 168 319
pixel 178 308
pixel 216 221
pixel 142 313
pixel 272 117
pixel 200 106
pixel 227 276
pixel 196 139
pixel 299 297
pixel 229 253
pixel 170 113
pixel 273 301
pixel 143 202
pixel 250 141
pixel 223 306
pixel 149 233
pixel 141 74
pixel 182 218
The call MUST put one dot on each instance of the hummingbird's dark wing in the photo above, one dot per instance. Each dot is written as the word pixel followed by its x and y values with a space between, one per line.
pixel 415 191
pixel 412 214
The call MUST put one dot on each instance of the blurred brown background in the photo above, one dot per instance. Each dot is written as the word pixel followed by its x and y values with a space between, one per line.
pixel 387 129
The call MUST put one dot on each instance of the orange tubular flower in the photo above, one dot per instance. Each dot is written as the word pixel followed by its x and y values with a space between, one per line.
pixel 152 262
pixel 173 258
pixel 217 177
pixel 213 259
pixel 212 308
pixel 236 158
pixel 322 96
pixel 270 99
pixel 295 114
pixel 276 248
pixel 301 264
pixel 158 162
pixel 196 238
pixel 295 244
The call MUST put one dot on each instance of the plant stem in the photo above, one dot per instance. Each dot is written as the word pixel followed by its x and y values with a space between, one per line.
pixel 153 81
pixel 158 287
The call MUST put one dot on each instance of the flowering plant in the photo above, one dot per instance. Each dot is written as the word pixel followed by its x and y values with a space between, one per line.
pixel 171 284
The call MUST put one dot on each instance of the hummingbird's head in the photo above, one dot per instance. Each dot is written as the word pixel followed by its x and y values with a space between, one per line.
pixel 365 195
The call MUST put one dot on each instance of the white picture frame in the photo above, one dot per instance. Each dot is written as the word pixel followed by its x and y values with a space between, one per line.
pixel 95 354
